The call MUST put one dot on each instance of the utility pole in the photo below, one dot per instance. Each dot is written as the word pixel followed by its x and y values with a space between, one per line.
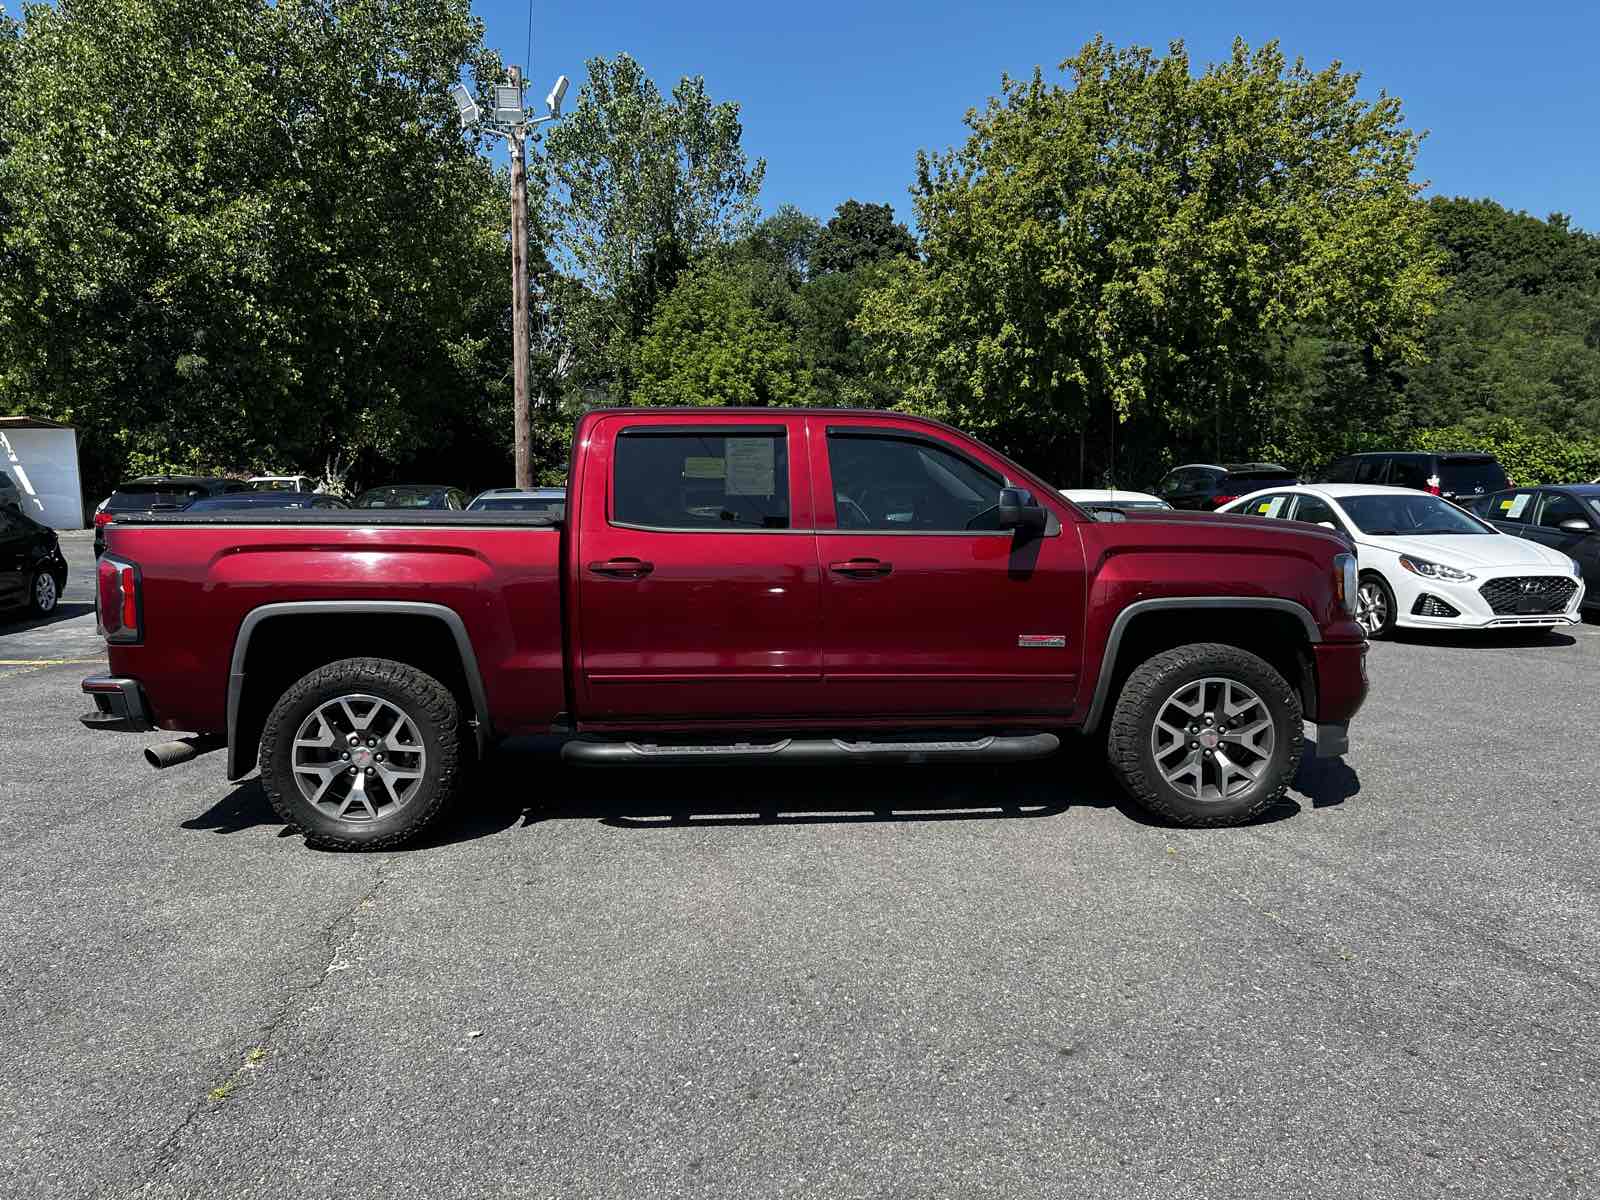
pixel 521 430
pixel 511 121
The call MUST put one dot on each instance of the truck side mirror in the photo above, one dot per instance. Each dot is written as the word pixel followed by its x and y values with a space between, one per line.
pixel 1017 509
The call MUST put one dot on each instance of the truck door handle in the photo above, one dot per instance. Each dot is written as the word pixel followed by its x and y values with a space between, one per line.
pixel 622 568
pixel 861 568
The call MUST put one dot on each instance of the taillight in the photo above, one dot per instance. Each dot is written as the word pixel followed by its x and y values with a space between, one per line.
pixel 1219 501
pixel 103 518
pixel 119 604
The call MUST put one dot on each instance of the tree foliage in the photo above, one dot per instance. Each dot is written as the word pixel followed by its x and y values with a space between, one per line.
pixel 1134 246
pixel 858 234
pixel 640 186
pixel 248 233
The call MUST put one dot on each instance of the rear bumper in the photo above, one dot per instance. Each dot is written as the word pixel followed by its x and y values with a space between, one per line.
pixel 119 705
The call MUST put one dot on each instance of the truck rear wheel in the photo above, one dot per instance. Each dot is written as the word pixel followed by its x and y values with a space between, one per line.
pixel 362 754
pixel 1207 734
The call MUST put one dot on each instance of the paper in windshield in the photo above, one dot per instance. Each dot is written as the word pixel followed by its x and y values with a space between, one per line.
pixel 751 466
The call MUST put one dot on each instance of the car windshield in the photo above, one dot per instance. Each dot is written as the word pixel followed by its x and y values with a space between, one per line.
pixel 402 497
pixel 1406 516
pixel 554 505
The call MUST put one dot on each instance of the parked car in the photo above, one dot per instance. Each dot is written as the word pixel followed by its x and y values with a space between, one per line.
pixel 552 500
pixel 1112 499
pixel 10 494
pixel 743 586
pixel 282 483
pixel 1426 563
pixel 1205 486
pixel 33 572
pixel 413 495
pixel 1565 518
pixel 156 493
pixel 264 501
pixel 1458 475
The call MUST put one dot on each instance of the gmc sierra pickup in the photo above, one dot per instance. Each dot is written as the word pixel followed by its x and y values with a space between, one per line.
pixel 755 585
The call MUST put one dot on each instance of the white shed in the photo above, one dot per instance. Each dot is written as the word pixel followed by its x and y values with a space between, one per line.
pixel 42 459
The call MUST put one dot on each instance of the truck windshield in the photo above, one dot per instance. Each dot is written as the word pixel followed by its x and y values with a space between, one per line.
pixel 1407 516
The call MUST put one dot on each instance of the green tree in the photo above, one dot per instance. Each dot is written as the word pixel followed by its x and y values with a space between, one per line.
pixel 710 345
pixel 858 234
pixel 1136 247
pixel 259 237
pixel 640 186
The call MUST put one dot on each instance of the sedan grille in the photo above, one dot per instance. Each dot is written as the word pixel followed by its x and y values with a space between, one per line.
pixel 1520 594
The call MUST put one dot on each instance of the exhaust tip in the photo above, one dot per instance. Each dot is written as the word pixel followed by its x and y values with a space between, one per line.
pixel 170 754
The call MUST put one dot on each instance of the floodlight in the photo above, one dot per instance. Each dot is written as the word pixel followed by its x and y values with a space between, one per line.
pixel 466 106
pixel 508 104
pixel 558 93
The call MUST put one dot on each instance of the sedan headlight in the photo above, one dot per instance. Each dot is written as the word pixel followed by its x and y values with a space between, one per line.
pixel 1433 570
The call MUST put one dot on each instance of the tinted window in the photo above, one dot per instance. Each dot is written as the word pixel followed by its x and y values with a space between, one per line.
pixel 1275 505
pixel 1409 473
pixel 138 497
pixel 1467 475
pixel 1508 507
pixel 884 482
pixel 1556 507
pixel 1171 483
pixel 733 480
pixel 1316 510
pixel 1343 470
pixel 1369 470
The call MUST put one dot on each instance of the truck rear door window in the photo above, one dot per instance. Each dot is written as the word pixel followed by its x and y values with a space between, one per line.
pixel 705 479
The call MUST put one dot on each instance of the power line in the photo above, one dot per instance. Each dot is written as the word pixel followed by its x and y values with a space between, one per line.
pixel 527 52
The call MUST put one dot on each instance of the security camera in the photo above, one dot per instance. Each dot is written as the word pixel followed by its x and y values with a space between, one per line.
pixel 558 93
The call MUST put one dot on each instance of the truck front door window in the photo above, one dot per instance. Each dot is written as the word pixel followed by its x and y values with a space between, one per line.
pixel 906 486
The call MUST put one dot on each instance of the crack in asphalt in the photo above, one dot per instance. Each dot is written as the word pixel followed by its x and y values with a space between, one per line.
pixel 335 937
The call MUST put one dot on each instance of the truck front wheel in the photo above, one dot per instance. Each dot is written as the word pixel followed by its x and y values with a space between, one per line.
pixel 362 754
pixel 1207 734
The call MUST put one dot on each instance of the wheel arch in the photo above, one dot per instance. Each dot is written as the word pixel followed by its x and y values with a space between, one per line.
pixel 1278 630
pixel 278 643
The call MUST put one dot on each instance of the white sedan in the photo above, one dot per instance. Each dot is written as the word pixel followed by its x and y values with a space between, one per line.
pixel 1099 499
pixel 1426 564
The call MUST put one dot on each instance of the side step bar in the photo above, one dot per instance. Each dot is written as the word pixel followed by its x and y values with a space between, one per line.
pixel 790 751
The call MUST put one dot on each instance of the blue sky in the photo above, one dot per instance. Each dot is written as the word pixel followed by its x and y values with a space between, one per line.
pixel 838 97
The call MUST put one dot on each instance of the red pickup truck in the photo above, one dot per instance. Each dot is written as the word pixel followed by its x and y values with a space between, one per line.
pixel 753 585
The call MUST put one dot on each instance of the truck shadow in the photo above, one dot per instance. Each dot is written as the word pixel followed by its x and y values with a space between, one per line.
pixel 525 783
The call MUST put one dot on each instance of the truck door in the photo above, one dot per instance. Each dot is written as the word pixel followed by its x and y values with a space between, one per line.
pixel 698 590
pixel 927 608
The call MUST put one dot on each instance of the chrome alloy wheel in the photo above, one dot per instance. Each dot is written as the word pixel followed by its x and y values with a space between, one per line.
pixel 1212 739
pixel 358 758
pixel 44 592
pixel 1372 607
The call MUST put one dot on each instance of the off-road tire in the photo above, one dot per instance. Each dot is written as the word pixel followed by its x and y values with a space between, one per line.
pixel 429 703
pixel 1133 760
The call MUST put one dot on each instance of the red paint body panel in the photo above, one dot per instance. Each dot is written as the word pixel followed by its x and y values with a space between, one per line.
pixel 739 629
pixel 201 581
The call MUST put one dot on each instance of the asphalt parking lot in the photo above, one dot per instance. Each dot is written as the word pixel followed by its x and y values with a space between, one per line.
pixel 903 983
